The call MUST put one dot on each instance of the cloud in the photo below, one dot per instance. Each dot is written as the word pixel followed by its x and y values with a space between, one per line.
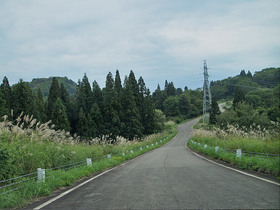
pixel 158 40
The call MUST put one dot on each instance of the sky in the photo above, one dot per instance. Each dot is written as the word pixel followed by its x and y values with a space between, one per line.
pixel 157 39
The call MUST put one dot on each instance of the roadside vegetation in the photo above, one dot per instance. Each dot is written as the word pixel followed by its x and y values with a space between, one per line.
pixel 260 149
pixel 250 123
pixel 29 145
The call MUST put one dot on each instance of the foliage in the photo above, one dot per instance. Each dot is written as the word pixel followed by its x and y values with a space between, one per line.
pixel 252 141
pixel 45 83
pixel 267 78
pixel 28 145
pixel 244 116
pixel 214 111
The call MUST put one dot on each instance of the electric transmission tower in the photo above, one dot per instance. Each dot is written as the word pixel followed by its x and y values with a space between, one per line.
pixel 207 93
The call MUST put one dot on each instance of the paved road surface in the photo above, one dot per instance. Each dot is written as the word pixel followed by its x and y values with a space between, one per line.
pixel 171 177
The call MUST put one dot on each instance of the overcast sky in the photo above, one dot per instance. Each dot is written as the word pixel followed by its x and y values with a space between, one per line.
pixel 157 39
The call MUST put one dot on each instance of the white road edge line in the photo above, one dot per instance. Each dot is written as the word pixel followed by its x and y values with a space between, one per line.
pixel 233 169
pixel 72 189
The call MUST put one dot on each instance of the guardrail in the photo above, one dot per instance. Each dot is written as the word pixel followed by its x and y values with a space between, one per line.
pixel 239 152
pixel 13 184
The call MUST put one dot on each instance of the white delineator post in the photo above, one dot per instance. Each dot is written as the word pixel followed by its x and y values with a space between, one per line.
pixel 238 153
pixel 89 163
pixel 41 174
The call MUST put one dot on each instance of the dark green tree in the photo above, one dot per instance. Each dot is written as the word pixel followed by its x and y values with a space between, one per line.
pixel 97 95
pixel 82 124
pixel 96 126
pixel 111 118
pixel 7 92
pixel 59 116
pixel 157 98
pixel 132 120
pixel 170 89
pixel 249 75
pixel 238 96
pixel 54 94
pixel 119 99
pixel 22 99
pixel 150 121
pixel 3 104
pixel 243 73
pixel 40 105
pixel 64 95
pixel 184 105
pixel 171 106
pixel 84 95
pixel 214 111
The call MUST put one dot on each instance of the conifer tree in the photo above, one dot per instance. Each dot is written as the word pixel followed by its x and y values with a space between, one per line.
pixel 97 121
pixel 84 95
pixel 3 104
pixel 238 97
pixel 22 98
pixel 135 88
pixel 157 98
pixel 59 116
pixel 54 94
pixel 149 123
pixel 119 99
pixel 64 95
pixel 97 95
pixel 7 92
pixel 40 107
pixel 184 105
pixel 111 118
pixel 132 120
pixel 82 124
pixel 142 103
pixel 214 111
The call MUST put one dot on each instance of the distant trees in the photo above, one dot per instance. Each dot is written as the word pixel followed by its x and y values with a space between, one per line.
pixel 214 111
pixel 256 107
pixel 176 103
pixel 267 78
pixel 128 108
pixel 117 110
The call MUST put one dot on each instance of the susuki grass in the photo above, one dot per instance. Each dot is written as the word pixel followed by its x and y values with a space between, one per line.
pixel 27 145
pixel 252 141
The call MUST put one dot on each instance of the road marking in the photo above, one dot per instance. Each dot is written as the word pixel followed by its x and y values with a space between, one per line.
pixel 72 189
pixel 233 169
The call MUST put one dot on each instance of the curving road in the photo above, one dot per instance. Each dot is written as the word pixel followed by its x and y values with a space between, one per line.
pixel 171 177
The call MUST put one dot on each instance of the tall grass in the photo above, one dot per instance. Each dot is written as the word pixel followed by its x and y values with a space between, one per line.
pixel 26 145
pixel 252 141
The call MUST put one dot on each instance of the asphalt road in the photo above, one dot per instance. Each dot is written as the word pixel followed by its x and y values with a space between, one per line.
pixel 172 177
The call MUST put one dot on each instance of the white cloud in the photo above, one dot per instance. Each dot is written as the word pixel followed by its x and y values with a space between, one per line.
pixel 157 39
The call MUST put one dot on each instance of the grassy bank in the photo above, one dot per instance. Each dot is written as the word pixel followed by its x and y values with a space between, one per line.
pixel 30 145
pixel 257 148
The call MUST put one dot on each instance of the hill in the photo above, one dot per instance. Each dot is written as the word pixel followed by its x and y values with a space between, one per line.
pixel 267 78
pixel 45 83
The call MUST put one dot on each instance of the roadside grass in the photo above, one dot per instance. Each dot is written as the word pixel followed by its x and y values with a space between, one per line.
pixel 26 148
pixel 228 142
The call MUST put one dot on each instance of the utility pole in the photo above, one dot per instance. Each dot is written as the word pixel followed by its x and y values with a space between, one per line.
pixel 207 93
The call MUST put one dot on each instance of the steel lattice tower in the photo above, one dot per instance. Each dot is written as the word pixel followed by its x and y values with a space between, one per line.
pixel 207 93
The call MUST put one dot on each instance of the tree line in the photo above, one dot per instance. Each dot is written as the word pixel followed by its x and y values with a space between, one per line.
pixel 125 108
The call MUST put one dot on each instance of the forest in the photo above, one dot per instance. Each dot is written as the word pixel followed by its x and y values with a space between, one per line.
pixel 255 100
pixel 126 109
pixel 130 110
